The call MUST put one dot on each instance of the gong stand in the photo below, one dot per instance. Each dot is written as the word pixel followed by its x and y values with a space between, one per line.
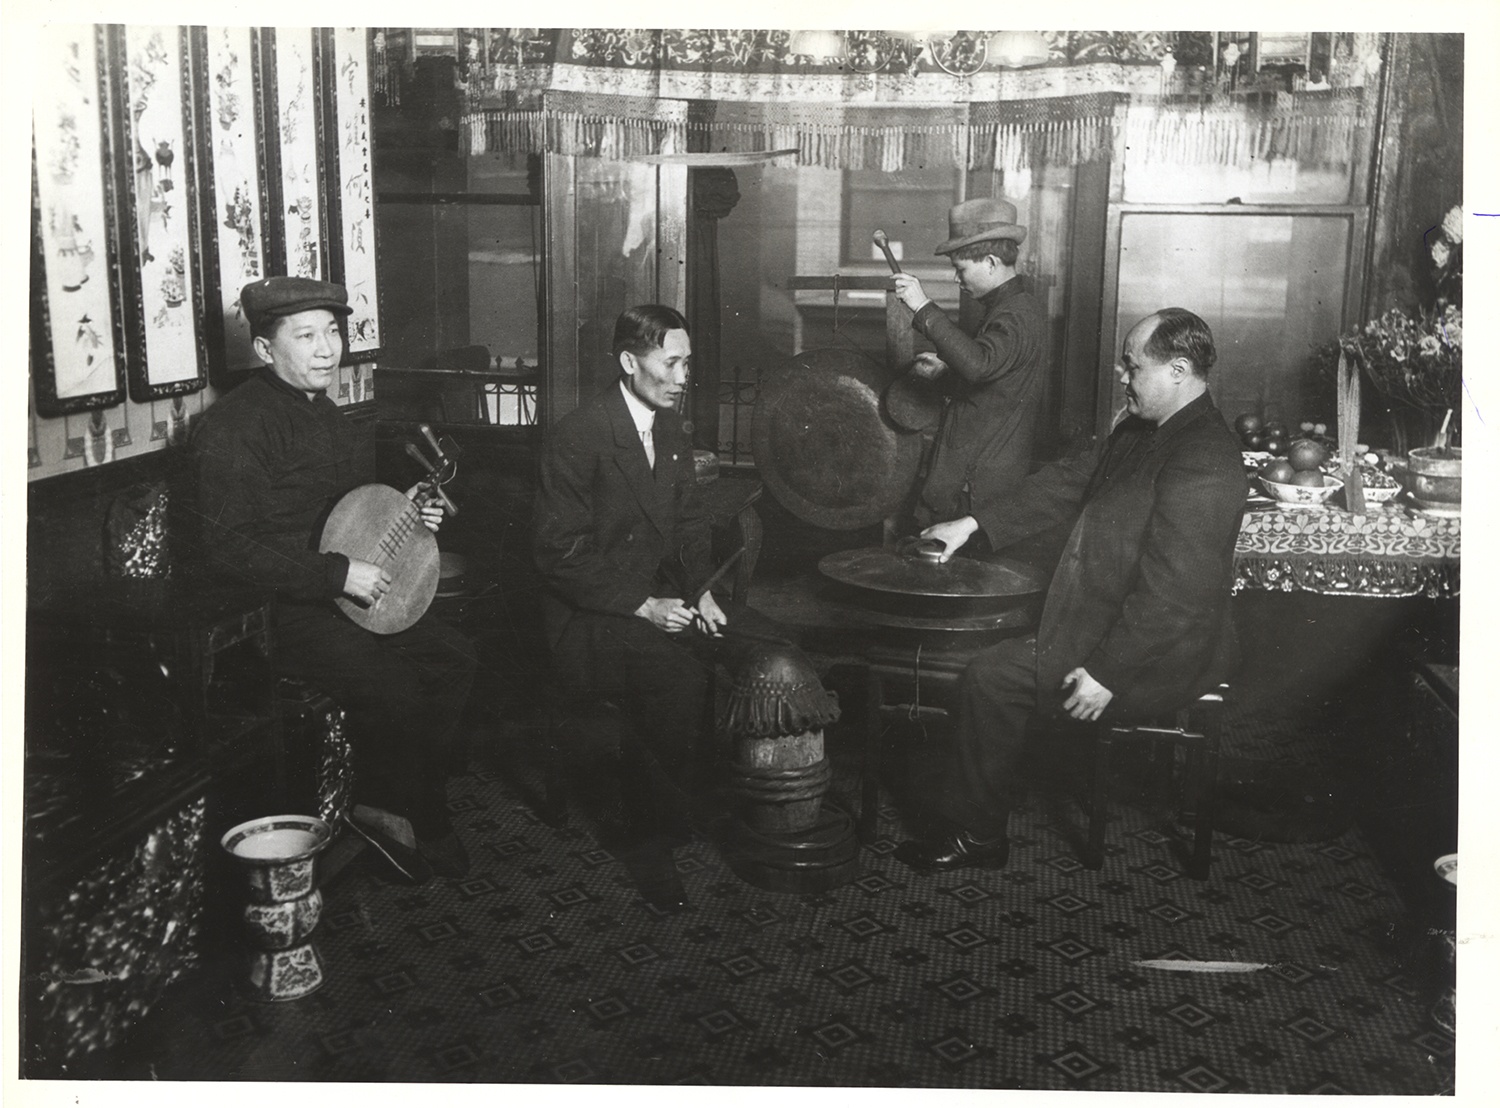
pixel 899 343
pixel 929 620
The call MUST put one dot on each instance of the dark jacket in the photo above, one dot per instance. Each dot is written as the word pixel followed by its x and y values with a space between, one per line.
pixel 1141 596
pixel 267 466
pixel 607 533
pixel 994 386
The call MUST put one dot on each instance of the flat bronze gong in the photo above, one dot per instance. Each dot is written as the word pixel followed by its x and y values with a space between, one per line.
pixel 914 404
pixel 898 589
pixel 824 447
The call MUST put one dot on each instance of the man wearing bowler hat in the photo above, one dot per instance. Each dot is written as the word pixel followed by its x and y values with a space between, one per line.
pixel 269 460
pixel 990 372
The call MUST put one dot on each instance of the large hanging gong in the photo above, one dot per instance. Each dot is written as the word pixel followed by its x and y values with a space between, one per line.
pixel 824 446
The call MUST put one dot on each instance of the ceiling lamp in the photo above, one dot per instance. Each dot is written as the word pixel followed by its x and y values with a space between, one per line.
pixel 818 44
pixel 1017 49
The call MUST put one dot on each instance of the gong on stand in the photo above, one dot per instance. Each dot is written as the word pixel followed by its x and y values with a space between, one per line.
pixel 929 618
pixel 913 598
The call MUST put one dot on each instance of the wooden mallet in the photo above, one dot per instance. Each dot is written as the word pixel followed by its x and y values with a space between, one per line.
pixel 885 248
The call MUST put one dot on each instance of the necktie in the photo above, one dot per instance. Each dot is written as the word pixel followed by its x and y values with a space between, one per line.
pixel 650 448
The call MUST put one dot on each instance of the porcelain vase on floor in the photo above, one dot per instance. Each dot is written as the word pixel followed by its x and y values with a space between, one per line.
pixel 278 856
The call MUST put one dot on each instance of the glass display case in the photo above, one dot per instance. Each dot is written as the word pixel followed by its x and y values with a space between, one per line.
pixel 1272 285
pixel 616 237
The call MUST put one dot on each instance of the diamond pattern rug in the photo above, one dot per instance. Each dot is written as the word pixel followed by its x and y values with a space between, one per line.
pixel 545 966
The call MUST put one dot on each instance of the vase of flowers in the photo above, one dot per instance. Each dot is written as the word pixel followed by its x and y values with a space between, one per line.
pixel 1414 357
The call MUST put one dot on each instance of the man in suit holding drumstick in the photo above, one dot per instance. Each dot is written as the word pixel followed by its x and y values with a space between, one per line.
pixel 622 541
pixel 270 459
pixel 989 368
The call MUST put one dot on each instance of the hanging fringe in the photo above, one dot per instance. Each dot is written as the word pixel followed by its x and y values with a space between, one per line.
pixel 1315 129
pixel 829 135
pixel 1061 130
pixel 765 708
pixel 777 692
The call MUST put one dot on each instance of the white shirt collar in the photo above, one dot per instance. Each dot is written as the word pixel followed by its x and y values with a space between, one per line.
pixel 643 417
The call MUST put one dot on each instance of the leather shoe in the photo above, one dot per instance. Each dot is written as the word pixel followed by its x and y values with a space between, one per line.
pixel 663 889
pixel 955 850
pixel 650 865
pixel 393 839
pixel 446 855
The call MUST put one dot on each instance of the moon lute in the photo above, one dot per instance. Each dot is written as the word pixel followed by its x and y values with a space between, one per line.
pixel 378 524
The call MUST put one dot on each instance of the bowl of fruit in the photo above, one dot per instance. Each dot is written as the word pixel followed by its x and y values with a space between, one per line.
pixel 1379 485
pixel 1298 478
pixel 1304 488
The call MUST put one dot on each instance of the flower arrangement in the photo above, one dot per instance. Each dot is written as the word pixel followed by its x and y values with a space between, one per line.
pixel 1416 358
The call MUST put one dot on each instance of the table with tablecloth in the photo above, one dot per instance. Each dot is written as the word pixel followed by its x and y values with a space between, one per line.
pixel 1389 550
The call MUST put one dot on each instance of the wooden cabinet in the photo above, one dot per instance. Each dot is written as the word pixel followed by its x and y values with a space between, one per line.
pixel 152 725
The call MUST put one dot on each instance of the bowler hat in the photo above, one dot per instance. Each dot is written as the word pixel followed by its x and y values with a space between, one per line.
pixel 979 221
pixel 278 296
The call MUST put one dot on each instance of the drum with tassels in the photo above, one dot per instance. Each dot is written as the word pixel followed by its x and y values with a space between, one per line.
pixel 785 837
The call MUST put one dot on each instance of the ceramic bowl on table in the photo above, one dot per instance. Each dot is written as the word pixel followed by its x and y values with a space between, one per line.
pixel 1302 494
pixel 1376 494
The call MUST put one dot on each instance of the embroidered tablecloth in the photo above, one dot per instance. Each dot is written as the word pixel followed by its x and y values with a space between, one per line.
pixel 1388 550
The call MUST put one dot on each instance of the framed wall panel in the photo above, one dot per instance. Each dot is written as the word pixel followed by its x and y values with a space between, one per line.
pixel 294 107
pixel 234 203
pixel 156 163
pixel 78 344
pixel 352 253
pixel 1272 282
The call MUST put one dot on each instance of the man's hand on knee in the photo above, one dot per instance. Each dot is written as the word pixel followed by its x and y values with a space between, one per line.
pixel 1088 699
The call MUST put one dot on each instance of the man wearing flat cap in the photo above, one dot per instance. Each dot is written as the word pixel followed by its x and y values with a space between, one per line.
pixel 270 459
pixel 990 372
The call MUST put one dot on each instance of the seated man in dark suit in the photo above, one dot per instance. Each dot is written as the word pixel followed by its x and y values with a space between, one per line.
pixel 1136 620
pixel 270 459
pixel 622 540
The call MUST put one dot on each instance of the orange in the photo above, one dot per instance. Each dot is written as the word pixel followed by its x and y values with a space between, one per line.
pixel 1304 454
pixel 1279 470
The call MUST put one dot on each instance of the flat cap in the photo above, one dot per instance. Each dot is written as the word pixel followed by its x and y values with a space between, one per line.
pixel 278 296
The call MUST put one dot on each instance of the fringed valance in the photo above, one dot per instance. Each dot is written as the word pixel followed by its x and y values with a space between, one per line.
pixel 624 93
pixel 1312 128
pixel 1315 129
pixel 1066 130
pixel 885 122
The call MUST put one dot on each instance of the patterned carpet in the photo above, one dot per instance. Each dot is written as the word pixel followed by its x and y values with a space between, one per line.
pixel 545 966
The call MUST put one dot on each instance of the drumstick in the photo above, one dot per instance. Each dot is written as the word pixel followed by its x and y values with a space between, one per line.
pixel 718 574
pixel 885 248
